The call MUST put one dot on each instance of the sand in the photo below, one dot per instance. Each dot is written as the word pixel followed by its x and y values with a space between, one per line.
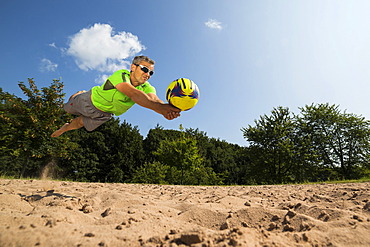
pixel 57 213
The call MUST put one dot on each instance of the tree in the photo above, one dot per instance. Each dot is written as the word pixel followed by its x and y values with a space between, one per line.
pixel 111 153
pixel 321 143
pixel 186 164
pixel 27 125
pixel 9 149
pixel 223 158
pixel 341 140
pixel 226 160
pixel 272 146
pixel 154 138
pixel 152 173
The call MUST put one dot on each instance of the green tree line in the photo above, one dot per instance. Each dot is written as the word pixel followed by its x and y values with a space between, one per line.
pixel 320 143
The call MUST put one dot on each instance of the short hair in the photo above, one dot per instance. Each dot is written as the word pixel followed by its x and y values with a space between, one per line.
pixel 139 59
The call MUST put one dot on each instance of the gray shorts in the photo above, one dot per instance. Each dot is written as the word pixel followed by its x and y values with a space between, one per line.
pixel 82 105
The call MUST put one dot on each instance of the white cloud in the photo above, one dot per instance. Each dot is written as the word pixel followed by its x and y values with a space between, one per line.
pixel 53 45
pixel 47 65
pixel 100 48
pixel 214 24
pixel 101 79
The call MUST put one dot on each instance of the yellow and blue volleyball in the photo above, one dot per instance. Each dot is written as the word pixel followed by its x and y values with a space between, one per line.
pixel 182 93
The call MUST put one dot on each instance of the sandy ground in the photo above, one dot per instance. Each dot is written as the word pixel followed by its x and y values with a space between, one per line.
pixel 56 213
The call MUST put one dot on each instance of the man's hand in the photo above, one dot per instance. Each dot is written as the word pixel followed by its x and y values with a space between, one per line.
pixel 173 115
pixel 170 112
pixel 174 112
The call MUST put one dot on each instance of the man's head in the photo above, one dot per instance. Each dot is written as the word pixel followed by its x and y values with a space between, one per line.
pixel 142 68
pixel 139 59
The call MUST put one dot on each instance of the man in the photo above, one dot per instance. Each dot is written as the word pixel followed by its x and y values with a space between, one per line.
pixel 118 94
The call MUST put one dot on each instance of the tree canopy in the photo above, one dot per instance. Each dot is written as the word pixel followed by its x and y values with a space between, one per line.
pixel 318 144
pixel 321 143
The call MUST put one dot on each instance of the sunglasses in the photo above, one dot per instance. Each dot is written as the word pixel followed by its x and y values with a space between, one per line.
pixel 145 69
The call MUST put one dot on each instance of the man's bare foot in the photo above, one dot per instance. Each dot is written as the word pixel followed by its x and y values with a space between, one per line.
pixel 61 130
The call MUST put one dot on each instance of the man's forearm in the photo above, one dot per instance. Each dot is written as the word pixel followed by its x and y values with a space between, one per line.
pixel 144 100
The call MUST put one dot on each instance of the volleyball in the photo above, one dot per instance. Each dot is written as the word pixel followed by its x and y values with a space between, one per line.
pixel 182 93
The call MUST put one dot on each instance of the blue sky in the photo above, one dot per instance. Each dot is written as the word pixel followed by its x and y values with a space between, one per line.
pixel 247 57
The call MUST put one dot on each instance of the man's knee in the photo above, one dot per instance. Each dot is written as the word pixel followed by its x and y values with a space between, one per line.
pixel 77 123
pixel 80 121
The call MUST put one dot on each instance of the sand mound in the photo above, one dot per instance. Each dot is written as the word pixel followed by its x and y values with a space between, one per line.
pixel 51 213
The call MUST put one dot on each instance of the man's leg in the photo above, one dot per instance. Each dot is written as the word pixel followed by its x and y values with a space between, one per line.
pixel 75 124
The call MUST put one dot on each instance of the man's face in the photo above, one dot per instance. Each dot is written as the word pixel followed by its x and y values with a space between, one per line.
pixel 138 76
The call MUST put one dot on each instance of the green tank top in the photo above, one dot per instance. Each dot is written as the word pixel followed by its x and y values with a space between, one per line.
pixel 108 99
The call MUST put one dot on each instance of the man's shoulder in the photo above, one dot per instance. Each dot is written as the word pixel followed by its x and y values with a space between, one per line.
pixel 121 71
pixel 119 76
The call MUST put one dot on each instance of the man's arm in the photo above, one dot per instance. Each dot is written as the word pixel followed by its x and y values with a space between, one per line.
pixel 150 101
pixel 154 97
